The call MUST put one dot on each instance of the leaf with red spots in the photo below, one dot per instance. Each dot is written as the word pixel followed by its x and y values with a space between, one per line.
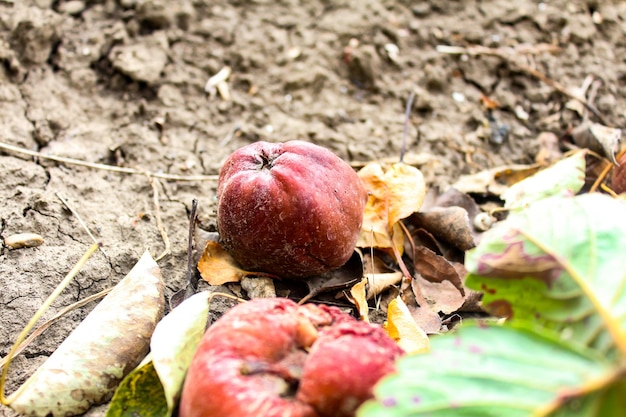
pixel 504 371
pixel 559 263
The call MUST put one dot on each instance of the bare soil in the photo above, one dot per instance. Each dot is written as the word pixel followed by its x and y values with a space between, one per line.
pixel 122 82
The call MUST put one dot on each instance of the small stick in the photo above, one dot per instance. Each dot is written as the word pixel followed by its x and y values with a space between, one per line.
pixel 407 115
pixel 112 168
pixel 157 213
pixel 192 279
pixel 80 220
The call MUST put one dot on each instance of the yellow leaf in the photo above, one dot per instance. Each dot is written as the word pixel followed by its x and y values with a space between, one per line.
pixel 402 328
pixel 217 267
pixel 359 299
pixel 395 193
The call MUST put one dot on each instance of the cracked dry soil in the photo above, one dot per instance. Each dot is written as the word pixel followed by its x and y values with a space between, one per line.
pixel 121 82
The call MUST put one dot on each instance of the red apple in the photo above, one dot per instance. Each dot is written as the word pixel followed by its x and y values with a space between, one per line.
pixel 290 209
pixel 255 362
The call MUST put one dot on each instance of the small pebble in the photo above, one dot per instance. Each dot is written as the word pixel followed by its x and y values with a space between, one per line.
pixel 23 240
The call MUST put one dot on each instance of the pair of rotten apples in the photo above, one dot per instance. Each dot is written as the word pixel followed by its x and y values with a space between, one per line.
pixel 294 210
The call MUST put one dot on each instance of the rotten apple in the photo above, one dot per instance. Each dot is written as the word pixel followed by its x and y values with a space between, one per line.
pixel 274 358
pixel 290 209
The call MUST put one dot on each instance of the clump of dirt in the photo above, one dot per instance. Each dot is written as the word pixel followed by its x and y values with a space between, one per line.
pixel 122 82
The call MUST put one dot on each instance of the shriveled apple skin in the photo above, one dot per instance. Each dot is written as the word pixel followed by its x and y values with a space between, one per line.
pixel 291 209
pixel 255 361
pixel 343 366
pixel 226 375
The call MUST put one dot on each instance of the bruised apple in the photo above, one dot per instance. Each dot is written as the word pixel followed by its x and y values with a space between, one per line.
pixel 291 209
pixel 274 358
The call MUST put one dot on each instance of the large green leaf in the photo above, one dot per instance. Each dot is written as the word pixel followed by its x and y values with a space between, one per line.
pixel 561 263
pixel 502 371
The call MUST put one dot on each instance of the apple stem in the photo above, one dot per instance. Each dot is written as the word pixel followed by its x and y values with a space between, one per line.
pixel 267 161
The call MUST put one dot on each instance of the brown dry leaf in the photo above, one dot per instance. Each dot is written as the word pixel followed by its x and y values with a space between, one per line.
pixel 358 298
pixel 427 319
pixel 347 275
pixel 436 268
pixel 395 192
pixel 450 224
pixel 217 267
pixel 599 138
pixel 441 296
pixel 401 327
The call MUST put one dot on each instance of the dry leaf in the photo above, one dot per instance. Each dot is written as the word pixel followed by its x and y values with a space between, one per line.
pixel 495 180
pixel 217 267
pixel 450 224
pixel 442 296
pixel 109 343
pixel 394 194
pixel 344 277
pixel 402 328
pixel 427 319
pixel 378 283
pixel 358 298
pixel 599 138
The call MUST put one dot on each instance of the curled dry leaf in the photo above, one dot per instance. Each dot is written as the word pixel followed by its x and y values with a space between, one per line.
pixel 395 193
pixel 599 138
pixel 359 298
pixel 450 224
pixel 404 330
pixel 106 346
pixel 348 274
pixel 217 267
pixel 618 180
pixel 377 283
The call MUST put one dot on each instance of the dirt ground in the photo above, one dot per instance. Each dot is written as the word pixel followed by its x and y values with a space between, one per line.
pixel 122 82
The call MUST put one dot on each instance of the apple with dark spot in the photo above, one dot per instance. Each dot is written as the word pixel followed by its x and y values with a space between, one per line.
pixel 290 209
pixel 273 358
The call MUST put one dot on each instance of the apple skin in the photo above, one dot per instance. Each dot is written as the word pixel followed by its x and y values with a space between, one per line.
pixel 343 366
pixel 272 358
pixel 290 209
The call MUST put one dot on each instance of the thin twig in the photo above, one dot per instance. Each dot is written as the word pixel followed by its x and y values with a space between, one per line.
pixel 510 55
pixel 80 220
pixel 407 115
pixel 112 168
pixel 157 214
pixel 192 280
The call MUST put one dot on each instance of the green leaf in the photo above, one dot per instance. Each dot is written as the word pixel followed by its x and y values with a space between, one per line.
pixel 140 394
pixel 565 177
pixel 499 371
pixel 174 342
pixel 173 345
pixel 560 263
